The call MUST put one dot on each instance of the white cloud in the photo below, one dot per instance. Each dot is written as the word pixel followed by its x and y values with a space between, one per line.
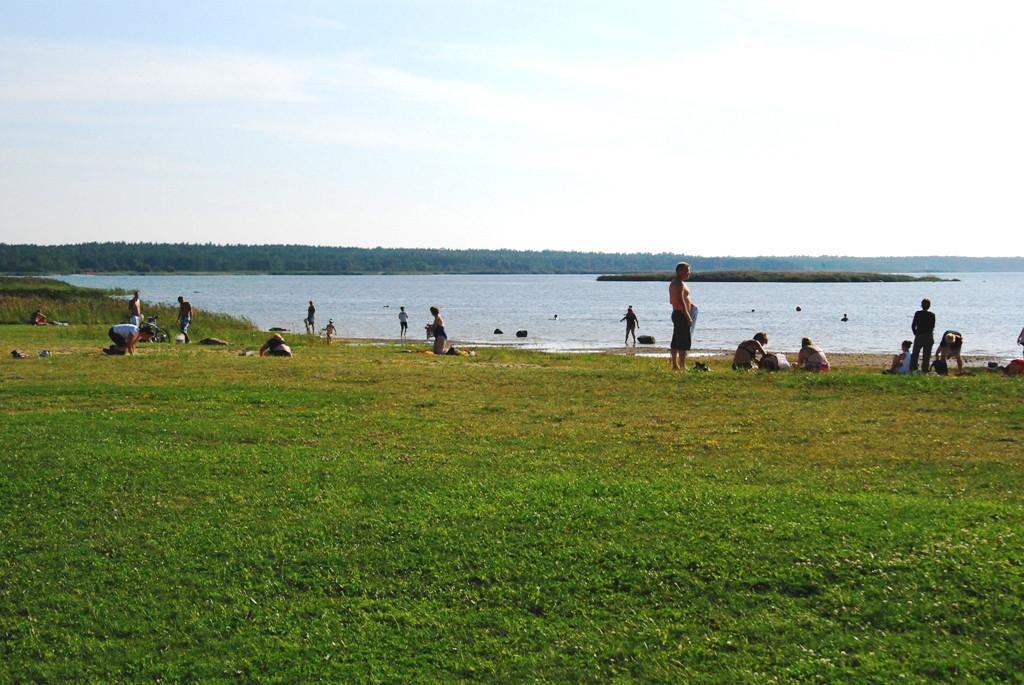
pixel 33 70
pixel 319 23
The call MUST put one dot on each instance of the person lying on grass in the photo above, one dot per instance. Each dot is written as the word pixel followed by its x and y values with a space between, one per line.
pixel 275 347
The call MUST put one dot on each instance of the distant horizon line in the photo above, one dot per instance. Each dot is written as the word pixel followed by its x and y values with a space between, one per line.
pixel 502 249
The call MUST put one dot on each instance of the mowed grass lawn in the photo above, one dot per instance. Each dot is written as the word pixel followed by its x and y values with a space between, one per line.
pixel 370 514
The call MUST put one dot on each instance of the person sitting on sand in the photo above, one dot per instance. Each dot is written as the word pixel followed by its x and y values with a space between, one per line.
pixel 811 358
pixel 330 331
pixel 750 352
pixel 437 329
pixel 901 361
pixel 275 347
pixel 949 347
pixel 124 337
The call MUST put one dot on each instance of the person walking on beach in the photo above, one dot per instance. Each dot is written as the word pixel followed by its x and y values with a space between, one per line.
pixel 310 318
pixel 923 327
pixel 184 317
pixel 330 331
pixel 632 323
pixel 403 322
pixel 679 298
pixel 135 310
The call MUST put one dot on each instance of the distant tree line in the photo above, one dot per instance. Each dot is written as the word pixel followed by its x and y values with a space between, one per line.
pixel 141 258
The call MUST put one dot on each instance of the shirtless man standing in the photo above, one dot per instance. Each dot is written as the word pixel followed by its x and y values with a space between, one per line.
pixel 135 310
pixel 184 316
pixel 679 298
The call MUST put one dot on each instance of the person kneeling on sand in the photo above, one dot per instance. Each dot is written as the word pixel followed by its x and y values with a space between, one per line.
pixel 437 329
pixel 124 337
pixel 750 352
pixel 811 358
pixel 901 361
pixel 275 347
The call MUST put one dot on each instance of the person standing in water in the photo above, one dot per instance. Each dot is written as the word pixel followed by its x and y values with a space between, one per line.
pixel 311 318
pixel 403 322
pixel 184 317
pixel 679 298
pixel 632 323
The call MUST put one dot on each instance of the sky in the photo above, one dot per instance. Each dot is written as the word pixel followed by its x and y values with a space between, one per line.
pixel 712 128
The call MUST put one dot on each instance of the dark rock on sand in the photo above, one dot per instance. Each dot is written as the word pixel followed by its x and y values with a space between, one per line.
pixel 520 334
pixel 645 339
pixel 498 331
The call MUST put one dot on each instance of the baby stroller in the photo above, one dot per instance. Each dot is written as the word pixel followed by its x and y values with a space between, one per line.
pixel 150 331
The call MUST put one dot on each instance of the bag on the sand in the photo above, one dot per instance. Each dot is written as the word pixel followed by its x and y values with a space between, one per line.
pixel 940 367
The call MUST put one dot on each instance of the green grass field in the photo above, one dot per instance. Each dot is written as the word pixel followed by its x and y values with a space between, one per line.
pixel 371 514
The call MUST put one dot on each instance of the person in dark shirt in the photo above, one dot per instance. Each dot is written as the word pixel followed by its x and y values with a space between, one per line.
pixel 310 320
pixel 632 323
pixel 923 328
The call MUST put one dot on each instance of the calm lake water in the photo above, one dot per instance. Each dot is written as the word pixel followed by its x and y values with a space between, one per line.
pixel 985 307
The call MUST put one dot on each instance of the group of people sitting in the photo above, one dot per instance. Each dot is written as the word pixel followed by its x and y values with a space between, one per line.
pixel 950 345
pixel 751 354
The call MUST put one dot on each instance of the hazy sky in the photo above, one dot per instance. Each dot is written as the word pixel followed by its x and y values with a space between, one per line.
pixel 743 128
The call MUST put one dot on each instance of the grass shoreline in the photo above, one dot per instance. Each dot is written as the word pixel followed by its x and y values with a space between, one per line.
pixel 368 513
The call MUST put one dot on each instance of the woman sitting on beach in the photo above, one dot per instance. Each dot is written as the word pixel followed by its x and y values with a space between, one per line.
pixel 901 361
pixel 949 347
pixel 811 358
pixel 437 329
pixel 750 352
pixel 275 347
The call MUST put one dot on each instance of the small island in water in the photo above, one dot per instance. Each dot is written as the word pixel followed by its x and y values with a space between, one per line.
pixel 775 277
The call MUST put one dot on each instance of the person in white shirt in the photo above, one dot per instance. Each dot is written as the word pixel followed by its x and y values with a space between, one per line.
pixel 124 337
pixel 403 321
pixel 901 361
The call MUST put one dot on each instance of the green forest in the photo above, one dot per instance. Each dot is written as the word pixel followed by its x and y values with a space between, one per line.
pixel 140 258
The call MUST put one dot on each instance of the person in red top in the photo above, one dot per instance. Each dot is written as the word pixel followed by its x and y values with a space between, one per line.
pixel 679 298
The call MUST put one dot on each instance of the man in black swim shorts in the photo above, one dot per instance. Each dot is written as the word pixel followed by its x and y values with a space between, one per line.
pixel 679 298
